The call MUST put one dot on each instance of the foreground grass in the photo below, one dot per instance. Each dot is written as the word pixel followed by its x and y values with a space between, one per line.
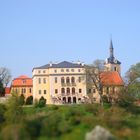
pixel 74 121
pixel 69 122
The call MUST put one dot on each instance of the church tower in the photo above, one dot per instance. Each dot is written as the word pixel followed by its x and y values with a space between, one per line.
pixel 111 63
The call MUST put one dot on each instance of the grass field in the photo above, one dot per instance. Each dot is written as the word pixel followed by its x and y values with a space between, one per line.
pixel 67 122
pixel 73 121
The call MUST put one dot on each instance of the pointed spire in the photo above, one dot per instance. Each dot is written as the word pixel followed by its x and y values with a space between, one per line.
pixel 111 49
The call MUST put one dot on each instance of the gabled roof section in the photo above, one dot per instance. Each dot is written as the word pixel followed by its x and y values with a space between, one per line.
pixel 64 64
pixel 22 81
pixel 111 78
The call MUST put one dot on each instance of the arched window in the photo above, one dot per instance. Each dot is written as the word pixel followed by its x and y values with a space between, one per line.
pixel 73 90
pixel 68 90
pixel 62 80
pixel 67 80
pixel 107 90
pixel 62 90
pixel 72 79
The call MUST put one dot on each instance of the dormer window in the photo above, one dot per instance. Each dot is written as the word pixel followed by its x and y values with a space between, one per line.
pixel 24 81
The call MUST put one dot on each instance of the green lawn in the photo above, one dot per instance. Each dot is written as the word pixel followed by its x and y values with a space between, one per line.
pixel 67 122
pixel 71 122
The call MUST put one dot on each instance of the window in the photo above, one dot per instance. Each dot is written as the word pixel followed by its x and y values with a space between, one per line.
pixel 68 90
pixel 79 79
pixel 24 81
pixel 67 80
pixel 89 91
pixel 39 80
pixel 73 80
pixel 16 90
pixel 115 69
pixel 80 90
pixel 55 79
pixel 67 70
pixel 79 70
pixel 39 92
pixel 23 90
pixel 113 89
pixel 62 70
pixel 56 91
pixel 39 71
pixel 94 90
pixel 72 70
pixel 55 71
pixel 44 71
pixel 45 91
pixel 73 90
pixel 62 90
pixel 62 80
pixel 30 90
pixel 44 80
pixel 107 90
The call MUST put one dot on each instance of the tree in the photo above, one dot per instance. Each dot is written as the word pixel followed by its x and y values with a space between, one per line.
pixel 29 100
pixel 132 79
pixel 2 90
pixel 5 78
pixel 14 111
pixel 42 102
pixel 21 99
pixel 93 77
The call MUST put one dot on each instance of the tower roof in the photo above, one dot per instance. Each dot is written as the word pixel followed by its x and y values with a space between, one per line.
pixel 112 59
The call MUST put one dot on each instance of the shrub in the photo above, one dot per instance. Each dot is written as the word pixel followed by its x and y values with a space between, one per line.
pixel 2 111
pixel 40 103
pixel 21 99
pixel 64 127
pixel 50 125
pixel 29 100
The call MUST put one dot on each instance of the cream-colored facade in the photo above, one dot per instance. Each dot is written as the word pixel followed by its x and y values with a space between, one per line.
pixel 22 85
pixel 62 83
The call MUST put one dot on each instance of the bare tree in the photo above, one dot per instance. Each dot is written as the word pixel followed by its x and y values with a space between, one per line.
pixel 93 77
pixel 5 76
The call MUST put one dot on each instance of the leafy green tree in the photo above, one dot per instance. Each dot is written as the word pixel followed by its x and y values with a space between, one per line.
pixel 42 102
pixel 133 81
pixel 14 113
pixel 21 99
pixel 29 100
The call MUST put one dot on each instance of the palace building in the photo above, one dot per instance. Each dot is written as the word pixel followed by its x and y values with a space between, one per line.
pixel 65 82
pixel 62 83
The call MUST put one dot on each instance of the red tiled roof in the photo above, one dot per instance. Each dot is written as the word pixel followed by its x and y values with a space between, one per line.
pixel 111 78
pixel 22 81
pixel 7 90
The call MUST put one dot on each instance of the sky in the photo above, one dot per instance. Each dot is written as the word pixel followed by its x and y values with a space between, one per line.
pixel 35 32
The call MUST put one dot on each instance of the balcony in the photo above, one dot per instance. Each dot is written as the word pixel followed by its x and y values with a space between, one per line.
pixel 68 84
pixel 68 94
